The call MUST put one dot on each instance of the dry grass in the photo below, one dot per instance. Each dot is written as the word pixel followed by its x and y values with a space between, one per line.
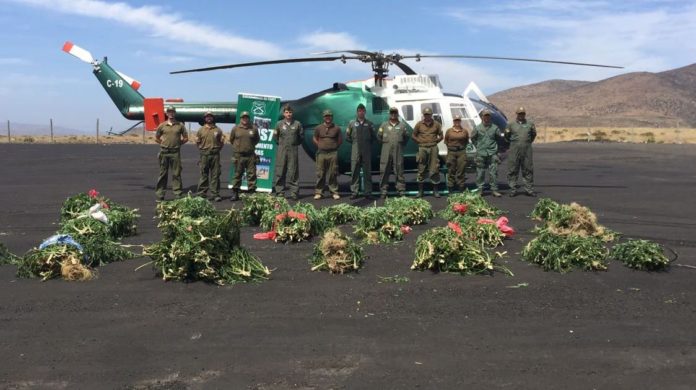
pixel 617 134
pixel 81 139
pixel 665 135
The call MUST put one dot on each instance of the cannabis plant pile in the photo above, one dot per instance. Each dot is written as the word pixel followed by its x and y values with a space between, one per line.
pixel 255 205
pixel 376 225
pixel 640 254
pixel 562 253
pixel 200 244
pixel 444 249
pixel 340 214
pixel 468 204
pixel 410 211
pixel 75 216
pixel 336 253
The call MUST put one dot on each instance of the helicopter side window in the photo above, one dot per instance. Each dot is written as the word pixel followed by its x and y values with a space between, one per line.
pixel 437 114
pixel 379 105
pixel 407 112
pixel 459 109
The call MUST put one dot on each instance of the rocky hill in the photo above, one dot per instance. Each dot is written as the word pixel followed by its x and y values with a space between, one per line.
pixel 639 99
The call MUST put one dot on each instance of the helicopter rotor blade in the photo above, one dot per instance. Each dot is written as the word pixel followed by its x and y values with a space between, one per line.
pixel 418 57
pixel 78 52
pixel 283 61
pixel 356 52
pixel 405 68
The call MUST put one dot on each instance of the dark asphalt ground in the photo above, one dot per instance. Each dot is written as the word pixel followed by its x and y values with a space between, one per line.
pixel 619 329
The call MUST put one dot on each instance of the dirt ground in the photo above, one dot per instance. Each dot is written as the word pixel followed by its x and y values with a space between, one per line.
pixel 619 329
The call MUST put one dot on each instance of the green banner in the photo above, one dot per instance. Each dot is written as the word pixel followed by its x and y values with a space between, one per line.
pixel 263 112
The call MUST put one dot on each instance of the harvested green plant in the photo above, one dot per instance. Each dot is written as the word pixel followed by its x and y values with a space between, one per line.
pixel 54 261
pixel 336 253
pixel 254 206
pixel 410 211
pixel 470 204
pixel 640 254
pixel 376 225
pixel 543 209
pixel 443 249
pixel 340 214
pixel 189 206
pixel 205 248
pixel 574 219
pixel 294 225
pixel 6 257
pixel 562 253
pixel 485 234
pixel 122 221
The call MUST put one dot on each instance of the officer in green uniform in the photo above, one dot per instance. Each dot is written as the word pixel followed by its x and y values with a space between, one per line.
pixel 327 138
pixel 288 134
pixel 209 139
pixel 244 138
pixel 521 134
pixel 393 135
pixel 170 135
pixel 361 133
pixel 484 137
pixel 427 133
pixel 456 139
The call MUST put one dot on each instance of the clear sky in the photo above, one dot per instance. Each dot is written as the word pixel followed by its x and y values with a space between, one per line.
pixel 148 39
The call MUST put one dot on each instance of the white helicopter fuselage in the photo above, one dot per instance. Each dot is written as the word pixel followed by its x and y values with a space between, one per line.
pixel 411 94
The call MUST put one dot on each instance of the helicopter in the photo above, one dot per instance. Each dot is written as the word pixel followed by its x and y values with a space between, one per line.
pixel 410 92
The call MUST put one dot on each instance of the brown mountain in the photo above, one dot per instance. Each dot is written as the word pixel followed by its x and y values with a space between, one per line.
pixel 640 99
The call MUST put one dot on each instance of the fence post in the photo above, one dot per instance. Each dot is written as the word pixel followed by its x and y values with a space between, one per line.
pixel 9 136
pixel 51 130
pixel 97 130
pixel 545 130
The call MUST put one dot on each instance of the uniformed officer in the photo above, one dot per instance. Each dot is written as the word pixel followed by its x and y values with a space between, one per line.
pixel 521 134
pixel 327 138
pixel 288 134
pixel 427 133
pixel 456 140
pixel 170 135
pixel 361 133
pixel 393 135
pixel 484 137
pixel 209 139
pixel 244 138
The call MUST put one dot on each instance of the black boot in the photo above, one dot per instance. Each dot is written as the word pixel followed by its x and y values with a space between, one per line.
pixel 235 196
pixel 436 193
pixel 420 190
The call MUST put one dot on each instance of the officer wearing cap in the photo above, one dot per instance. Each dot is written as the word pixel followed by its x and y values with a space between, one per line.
pixel 456 140
pixel 484 136
pixel 210 140
pixel 327 138
pixel 288 134
pixel 360 133
pixel 428 133
pixel 393 135
pixel 170 135
pixel 521 135
pixel 244 138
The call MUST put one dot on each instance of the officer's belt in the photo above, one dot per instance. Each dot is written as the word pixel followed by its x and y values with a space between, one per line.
pixel 206 152
pixel 426 145
pixel 456 148
pixel 245 154
pixel 169 150
pixel 326 150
